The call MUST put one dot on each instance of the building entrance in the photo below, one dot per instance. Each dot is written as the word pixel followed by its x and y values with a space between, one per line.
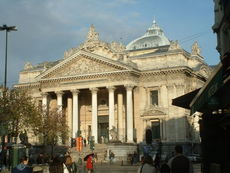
pixel 103 129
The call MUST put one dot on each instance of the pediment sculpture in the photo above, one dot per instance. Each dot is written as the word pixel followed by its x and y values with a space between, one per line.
pixel 83 66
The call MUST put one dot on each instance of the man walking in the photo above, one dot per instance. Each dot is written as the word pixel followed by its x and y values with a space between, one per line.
pixel 180 163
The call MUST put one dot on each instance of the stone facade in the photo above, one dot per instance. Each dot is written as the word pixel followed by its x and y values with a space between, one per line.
pixel 103 86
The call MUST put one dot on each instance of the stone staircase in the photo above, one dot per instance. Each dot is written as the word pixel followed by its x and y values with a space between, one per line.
pixel 99 150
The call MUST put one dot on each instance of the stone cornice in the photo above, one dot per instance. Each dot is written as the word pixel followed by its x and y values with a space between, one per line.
pixel 167 70
pixel 89 76
pixel 27 85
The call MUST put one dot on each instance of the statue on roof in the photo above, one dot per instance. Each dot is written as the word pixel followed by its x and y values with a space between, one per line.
pixel 174 45
pixel 28 66
pixel 195 49
pixel 92 34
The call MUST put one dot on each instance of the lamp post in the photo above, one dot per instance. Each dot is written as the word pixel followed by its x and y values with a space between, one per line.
pixel 7 29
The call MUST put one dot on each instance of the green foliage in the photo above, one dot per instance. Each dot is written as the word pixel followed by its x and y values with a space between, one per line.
pixel 17 109
pixel 53 126
pixel 19 112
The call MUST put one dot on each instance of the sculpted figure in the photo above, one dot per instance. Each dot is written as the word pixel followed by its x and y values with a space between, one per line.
pixel 195 49
pixel 113 133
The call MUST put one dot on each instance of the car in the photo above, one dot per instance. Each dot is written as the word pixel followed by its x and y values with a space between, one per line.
pixel 194 157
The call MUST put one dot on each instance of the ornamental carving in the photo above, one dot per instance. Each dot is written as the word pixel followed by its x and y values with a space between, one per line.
pixel 92 34
pixel 117 47
pixel 195 49
pixel 153 111
pixel 70 52
pixel 174 45
pixel 28 66
pixel 84 66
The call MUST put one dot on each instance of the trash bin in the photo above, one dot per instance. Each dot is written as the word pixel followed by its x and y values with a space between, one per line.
pixel 17 151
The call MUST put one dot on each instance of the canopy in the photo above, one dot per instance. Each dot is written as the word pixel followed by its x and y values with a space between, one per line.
pixel 185 100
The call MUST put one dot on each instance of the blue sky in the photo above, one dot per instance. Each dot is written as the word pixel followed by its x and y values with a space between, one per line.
pixel 46 28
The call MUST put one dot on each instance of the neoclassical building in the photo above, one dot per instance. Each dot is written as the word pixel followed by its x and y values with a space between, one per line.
pixel 102 86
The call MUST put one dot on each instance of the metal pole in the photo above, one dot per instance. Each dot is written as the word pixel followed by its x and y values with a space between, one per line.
pixel 5 79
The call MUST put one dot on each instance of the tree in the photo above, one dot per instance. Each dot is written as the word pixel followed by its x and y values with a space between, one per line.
pixel 19 112
pixel 53 127
pixel 17 109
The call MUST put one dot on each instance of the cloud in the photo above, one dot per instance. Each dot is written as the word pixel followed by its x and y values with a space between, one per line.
pixel 47 28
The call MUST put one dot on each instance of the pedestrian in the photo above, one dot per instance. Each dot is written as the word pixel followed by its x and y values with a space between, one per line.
pixel 89 163
pixel 40 158
pixel 165 168
pixel 157 161
pixel 84 140
pixel 180 163
pixel 69 166
pixel 22 167
pixel 56 166
pixel 147 165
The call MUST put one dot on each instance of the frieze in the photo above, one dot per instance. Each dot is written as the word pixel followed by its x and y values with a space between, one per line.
pixel 123 77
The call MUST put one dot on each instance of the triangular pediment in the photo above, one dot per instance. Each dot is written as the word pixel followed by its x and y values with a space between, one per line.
pixel 83 63
pixel 153 111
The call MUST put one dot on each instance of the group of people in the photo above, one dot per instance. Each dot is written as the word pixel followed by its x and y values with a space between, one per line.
pixel 58 165
pixel 177 164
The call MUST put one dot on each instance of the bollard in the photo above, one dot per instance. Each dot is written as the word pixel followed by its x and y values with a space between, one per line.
pixel 122 164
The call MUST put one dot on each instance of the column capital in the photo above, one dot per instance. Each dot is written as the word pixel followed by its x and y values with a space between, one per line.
pixel 75 91
pixel 44 94
pixel 129 87
pixel 111 88
pixel 59 92
pixel 94 90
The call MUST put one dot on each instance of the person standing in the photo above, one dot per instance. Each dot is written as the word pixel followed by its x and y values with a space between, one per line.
pixel 180 163
pixel 22 167
pixel 147 165
pixel 69 166
pixel 89 163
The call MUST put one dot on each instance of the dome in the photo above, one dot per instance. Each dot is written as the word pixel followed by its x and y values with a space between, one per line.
pixel 154 37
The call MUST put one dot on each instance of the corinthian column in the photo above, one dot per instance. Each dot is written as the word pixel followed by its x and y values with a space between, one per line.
pixel 94 114
pixel 129 99
pixel 59 100
pixel 44 101
pixel 111 108
pixel 120 117
pixel 75 123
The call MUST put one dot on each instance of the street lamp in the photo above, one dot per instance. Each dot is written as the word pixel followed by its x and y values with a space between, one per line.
pixel 7 29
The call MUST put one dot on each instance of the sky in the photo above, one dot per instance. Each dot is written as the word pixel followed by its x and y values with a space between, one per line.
pixel 46 28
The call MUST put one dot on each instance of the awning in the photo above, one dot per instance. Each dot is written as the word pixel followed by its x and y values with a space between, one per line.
pixel 185 100
pixel 205 98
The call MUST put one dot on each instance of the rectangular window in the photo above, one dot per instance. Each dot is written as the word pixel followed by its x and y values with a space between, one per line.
pixel 155 129
pixel 154 97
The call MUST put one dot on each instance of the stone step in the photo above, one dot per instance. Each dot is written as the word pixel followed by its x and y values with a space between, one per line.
pixel 100 150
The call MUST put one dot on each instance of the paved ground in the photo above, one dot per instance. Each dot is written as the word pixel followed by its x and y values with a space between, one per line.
pixel 126 169
pixel 106 168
